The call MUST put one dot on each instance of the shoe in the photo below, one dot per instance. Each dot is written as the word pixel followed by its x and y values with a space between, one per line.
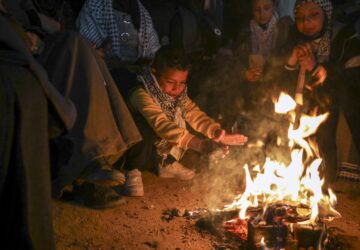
pixel 176 170
pixel 104 176
pixel 96 196
pixel 133 183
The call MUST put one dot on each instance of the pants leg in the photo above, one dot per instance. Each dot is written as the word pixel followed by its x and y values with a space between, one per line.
pixel 327 145
pixel 143 155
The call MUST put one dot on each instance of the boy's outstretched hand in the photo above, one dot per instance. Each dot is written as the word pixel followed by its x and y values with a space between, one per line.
pixel 229 139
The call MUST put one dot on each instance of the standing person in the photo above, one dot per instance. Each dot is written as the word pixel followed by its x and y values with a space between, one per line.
pixel 328 53
pixel 162 111
pixel 104 128
pixel 32 110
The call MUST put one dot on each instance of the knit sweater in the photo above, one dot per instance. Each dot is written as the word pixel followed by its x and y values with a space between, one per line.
pixel 141 102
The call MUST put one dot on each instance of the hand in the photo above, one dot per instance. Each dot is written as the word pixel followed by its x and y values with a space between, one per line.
pixel 319 77
pixel 253 74
pixel 100 51
pixel 234 139
pixel 202 146
pixel 303 54
pixel 306 56
pixel 229 139
pixel 35 41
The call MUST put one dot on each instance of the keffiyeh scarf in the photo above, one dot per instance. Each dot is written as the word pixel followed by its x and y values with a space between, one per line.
pixel 321 45
pixel 97 23
pixel 174 108
pixel 264 40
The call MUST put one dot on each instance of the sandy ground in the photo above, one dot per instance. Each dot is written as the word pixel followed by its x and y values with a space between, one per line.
pixel 138 223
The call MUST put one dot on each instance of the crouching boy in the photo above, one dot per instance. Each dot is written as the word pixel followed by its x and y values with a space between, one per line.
pixel 162 111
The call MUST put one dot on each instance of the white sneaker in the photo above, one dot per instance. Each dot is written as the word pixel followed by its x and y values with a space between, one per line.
pixel 133 183
pixel 176 170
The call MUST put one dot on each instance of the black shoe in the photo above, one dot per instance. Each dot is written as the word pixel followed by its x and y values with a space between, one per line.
pixel 103 175
pixel 96 196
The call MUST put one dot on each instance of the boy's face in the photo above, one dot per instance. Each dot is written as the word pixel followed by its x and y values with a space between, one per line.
pixel 263 10
pixel 310 19
pixel 172 81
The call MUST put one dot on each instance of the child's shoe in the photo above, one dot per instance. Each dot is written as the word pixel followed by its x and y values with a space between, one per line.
pixel 176 170
pixel 133 183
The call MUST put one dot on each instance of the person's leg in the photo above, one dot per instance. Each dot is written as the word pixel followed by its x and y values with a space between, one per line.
pixel 143 156
pixel 327 145
pixel 140 157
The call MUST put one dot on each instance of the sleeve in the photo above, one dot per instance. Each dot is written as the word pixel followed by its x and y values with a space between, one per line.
pixel 200 121
pixel 143 103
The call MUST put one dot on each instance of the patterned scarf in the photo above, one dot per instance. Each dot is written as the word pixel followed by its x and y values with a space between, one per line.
pixel 321 45
pixel 97 23
pixel 174 108
pixel 264 40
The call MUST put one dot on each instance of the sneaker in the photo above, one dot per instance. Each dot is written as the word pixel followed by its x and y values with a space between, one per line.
pixel 104 176
pixel 133 183
pixel 176 170
pixel 96 196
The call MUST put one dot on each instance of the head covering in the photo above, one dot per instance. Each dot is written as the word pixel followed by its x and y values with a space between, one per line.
pixel 321 44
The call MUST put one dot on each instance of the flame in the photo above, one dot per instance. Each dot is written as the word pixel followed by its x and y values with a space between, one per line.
pixel 262 242
pixel 298 182
pixel 284 104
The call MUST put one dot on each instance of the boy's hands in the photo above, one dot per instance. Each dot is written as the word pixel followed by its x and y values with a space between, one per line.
pixel 221 140
pixel 202 146
pixel 229 139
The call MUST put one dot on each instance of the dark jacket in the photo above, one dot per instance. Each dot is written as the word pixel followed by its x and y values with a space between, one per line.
pixel 27 102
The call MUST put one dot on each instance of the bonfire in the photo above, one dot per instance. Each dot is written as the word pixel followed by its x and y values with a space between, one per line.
pixel 285 206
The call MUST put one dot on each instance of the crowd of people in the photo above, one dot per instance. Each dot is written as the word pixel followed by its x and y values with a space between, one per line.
pixel 88 109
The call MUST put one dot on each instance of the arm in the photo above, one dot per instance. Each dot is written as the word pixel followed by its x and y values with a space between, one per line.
pixel 142 102
pixel 200 121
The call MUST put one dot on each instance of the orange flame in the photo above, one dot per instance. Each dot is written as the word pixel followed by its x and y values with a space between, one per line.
pixel 297 182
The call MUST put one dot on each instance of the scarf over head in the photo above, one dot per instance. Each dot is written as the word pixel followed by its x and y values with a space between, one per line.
pixel 321 44
pixel 263 40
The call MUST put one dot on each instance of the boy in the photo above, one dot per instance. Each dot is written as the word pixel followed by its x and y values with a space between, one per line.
pixel 162 108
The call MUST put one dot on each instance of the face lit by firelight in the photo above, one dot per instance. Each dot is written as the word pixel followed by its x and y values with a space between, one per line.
pixel 310 19
pixel 263 10
pixel 172 81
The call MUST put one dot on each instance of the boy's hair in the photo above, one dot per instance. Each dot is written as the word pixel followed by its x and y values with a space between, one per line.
pixel 168 58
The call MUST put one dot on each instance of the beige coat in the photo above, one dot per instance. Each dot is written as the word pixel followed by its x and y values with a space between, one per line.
pixel 140 101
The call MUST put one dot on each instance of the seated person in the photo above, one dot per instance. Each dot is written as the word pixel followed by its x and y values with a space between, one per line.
pixel 263 37
pixel 262 46
pixel 328 53
pixel 32 111
pixel 104 128
pixel 162 108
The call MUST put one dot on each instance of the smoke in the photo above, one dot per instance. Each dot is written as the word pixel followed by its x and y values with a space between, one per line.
pixel 240 107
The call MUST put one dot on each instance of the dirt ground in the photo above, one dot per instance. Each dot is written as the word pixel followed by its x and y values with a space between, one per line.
pixel 138 223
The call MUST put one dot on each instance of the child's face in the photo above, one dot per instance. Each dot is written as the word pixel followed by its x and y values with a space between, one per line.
pixel 310 19
pixel 263 10
pixel 173 81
